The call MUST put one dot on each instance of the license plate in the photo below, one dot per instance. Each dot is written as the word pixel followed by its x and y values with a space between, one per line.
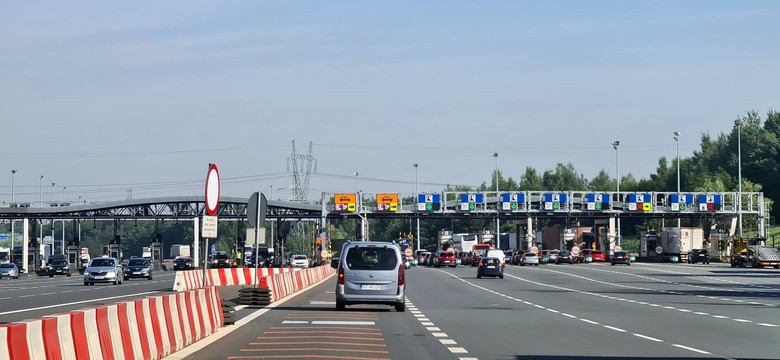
pixel 491 267
pixel 370 287
pixel 99 277
pixel 137 273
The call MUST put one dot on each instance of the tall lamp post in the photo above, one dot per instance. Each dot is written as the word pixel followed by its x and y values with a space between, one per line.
pixel 359 203
pixel 616 145
pixel 738 124
pixel 498 229
pixel 52 191
pixel 415 195
pixel 677 141
pixel 13 232
pixel 40 199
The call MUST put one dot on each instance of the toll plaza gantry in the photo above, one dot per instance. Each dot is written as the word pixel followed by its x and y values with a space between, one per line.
pixel 181 208
pixel 524 207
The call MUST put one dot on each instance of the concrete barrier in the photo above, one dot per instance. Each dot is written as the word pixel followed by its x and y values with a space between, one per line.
pixel 193 279
pixel 149 328
pixel 286 283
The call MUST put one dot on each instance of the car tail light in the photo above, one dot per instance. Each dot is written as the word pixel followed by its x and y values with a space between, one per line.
pixel 400 275
pixel 341 274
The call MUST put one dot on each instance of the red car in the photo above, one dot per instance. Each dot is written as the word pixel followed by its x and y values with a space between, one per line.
pixel 595 255
pixel 446 258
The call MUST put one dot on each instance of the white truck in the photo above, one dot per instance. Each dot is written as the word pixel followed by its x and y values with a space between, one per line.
pixel 180 250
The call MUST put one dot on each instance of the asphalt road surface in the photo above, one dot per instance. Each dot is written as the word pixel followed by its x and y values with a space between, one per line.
pixel 583 311
pixel 32 297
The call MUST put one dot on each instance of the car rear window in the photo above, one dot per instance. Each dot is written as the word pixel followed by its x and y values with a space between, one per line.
pixel 620 253
pixel 136 262
pixel 375 258
pixel 102 262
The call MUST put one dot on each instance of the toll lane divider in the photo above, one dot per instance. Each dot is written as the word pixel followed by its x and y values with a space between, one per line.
pixel 149 328
pixel 193 279
pixel 286 283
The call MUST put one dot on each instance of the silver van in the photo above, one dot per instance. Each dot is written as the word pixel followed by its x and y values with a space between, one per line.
pixel 370 272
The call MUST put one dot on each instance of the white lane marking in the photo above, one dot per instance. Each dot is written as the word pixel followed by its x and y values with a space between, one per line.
pixel 736 291
pixel 78 302
pixel 647 337
pixel 419 315
pixel 66 291
pixel 427 323
pixel 334 322
pixel 702 313
pixel 23 296
pixel 720 316
pixel 3 298
pixel 581 319
pixel 614 328
pixel 552 310
pixel 684 310
pixel 448 341
pixel 439 334
pixel 424 319
pixel 742 320
pixel 692 349
pixel 458 350
pixel 433 328
pixel 569 315
pixel 316 302
pixel 49 293
pixel 468 358
pixel 591 293
pixel 293 322
pixel 767 325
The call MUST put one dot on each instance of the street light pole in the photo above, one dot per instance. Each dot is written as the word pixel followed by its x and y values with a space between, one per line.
pixel 498 228
pixel 13 235
pixel 677 141
pixel 40 199
pixel 738 123
pixel 616 145
pixel 415 196
pixel 52 192
pixel 359 206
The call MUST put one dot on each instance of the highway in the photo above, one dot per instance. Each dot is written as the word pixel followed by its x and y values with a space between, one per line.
pixel 33 296
pixel 584 311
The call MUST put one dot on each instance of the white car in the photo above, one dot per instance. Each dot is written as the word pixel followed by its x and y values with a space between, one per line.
pixel 9 270
pixel 529 258
pixel 104 270
pixel 498 254
pixel 300 261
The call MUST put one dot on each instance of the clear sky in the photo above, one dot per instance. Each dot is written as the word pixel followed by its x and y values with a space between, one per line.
pixel 102 96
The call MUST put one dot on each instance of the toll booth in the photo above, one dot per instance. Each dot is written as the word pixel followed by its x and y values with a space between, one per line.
pixel 156 254
pixel 114 248
pixel 445 239
pixel 488 236
pixel 74 256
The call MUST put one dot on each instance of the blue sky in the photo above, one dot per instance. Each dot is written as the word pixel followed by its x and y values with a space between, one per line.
pixel 102 97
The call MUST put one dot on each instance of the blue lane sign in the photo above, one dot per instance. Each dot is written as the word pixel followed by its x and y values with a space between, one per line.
pixel 428 198
pixel 472 198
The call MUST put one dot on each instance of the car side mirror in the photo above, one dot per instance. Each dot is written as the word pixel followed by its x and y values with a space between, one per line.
pixel 334 263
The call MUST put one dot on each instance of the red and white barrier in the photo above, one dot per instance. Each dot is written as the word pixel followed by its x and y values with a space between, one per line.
pixel 193 279
pixel 149 328
pixel 284 284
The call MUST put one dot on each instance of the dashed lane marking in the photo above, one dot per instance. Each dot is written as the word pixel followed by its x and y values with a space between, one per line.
pixel 581 319
pixel 328 322
pixel 441 336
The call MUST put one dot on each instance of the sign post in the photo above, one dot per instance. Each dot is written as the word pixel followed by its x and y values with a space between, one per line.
pixel 255 214
pixel 210 218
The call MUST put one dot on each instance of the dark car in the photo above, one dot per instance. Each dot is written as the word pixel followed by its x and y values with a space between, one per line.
pixel 138 268
pixel 466 258
pixel 699 256
pixel 490 266
pixel 59 267
pixel 620 257
pixel 517 257
pixel 220 260
pixel 564 257
pixel 183 263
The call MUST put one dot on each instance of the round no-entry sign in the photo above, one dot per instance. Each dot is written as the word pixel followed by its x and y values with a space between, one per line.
pixel 212 190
